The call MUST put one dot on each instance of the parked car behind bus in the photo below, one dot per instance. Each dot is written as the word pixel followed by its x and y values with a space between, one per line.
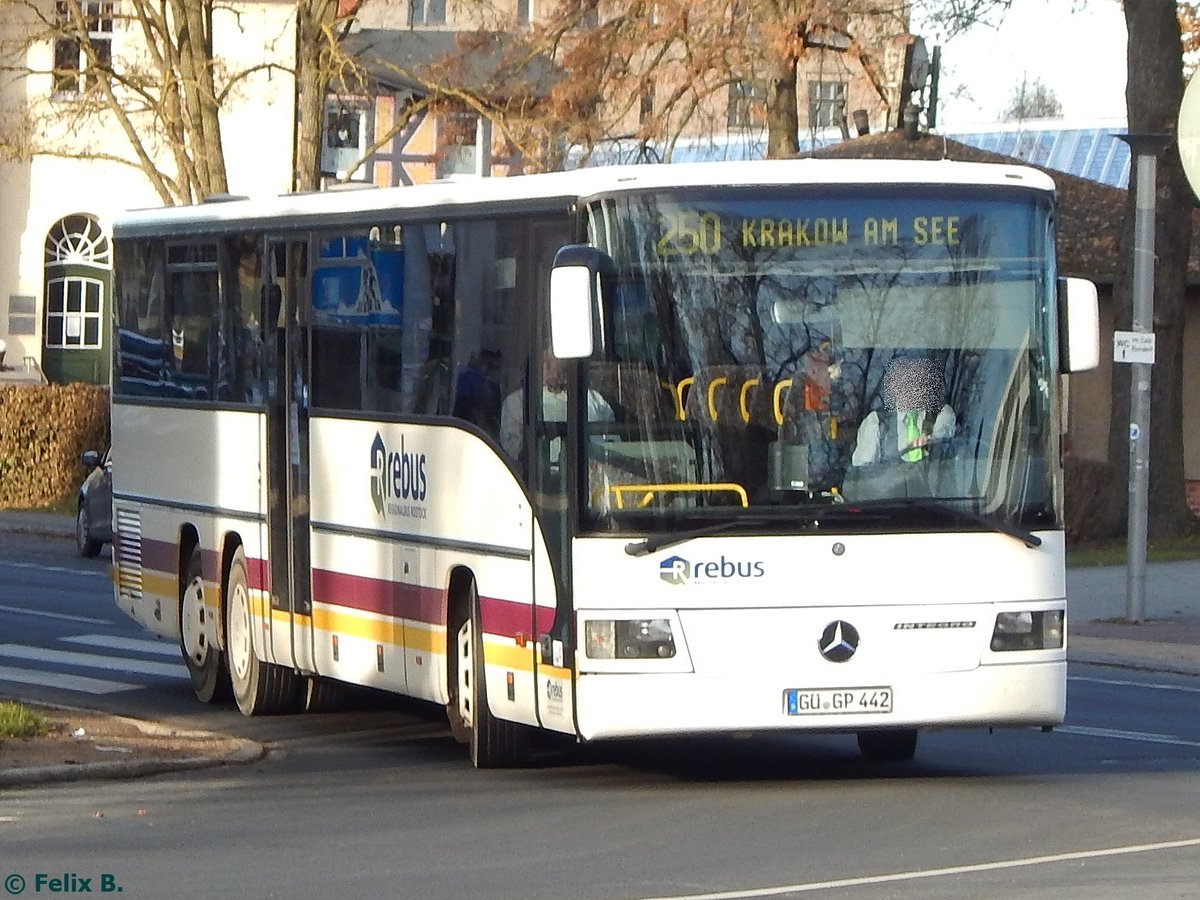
pixel 93 517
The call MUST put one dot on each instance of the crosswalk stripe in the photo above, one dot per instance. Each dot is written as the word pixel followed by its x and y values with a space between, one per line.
pixel 131 645
pixel 64 681
pixel 41 613
pixel 59 570
pixel 92 660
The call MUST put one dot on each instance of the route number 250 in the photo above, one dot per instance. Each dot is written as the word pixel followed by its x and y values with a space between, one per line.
pixel 689 233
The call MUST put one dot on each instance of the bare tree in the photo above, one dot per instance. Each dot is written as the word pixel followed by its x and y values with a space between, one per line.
pixel 163 87
pixel 1031 100
pixel 652 70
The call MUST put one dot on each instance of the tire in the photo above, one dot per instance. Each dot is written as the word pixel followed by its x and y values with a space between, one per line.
pixel 204 660
pixel 895 745
pixel 322 695
pixel 260 688
pixel 494 743
pixel 88 547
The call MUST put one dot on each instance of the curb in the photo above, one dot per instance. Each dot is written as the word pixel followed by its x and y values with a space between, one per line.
pixel 243 751
pixel 39 529
pixel 1107 652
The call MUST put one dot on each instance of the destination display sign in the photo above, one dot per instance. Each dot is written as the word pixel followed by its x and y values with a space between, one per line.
pixel 698 232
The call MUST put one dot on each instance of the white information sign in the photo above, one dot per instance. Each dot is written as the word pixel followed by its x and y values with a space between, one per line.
pixel 1188 134
pixel 1133 347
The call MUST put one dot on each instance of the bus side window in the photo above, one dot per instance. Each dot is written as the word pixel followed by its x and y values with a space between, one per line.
pixel 141 351
pixel 240 346
pixel 192 301
pixel 428 316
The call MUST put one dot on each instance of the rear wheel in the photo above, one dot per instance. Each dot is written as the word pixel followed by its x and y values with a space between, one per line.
pixel 260 688
pixel 197 636
pixel 894 745
pixel 322 695
pixel 495 743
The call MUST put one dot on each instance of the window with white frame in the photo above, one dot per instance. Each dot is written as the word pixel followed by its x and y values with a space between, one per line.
pixel 78 255
pixel 73 313
pixel 345 142
pixel 84 31
pixel 457 142
pixel 826 103
pixel 747 104
pixel 426 12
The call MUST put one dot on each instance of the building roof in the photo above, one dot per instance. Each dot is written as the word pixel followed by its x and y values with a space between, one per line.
pixel 487 64
pixel 1090 150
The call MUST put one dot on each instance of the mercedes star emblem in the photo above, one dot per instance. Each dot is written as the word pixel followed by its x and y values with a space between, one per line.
pixel 838 641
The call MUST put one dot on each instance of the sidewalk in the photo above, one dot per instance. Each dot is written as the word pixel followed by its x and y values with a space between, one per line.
pixel 1167 641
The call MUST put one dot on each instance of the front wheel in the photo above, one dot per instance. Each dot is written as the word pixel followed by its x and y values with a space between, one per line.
pixel 260 688
pixel 495 743
pixel 893 745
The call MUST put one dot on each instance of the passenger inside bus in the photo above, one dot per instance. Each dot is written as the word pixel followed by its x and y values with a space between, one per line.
pixel 915 415
pixel 477 391
pixel 554 409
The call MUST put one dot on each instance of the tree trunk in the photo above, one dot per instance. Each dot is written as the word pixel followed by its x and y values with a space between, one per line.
pixel 1153 95
pixel 202 128
pixel 783 121
pixel 314 53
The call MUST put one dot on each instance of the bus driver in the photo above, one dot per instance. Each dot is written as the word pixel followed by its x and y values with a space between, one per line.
pixel 914 414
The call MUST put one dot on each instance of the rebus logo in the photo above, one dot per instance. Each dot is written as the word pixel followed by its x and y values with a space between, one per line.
pixel 677 570
pixel 397 477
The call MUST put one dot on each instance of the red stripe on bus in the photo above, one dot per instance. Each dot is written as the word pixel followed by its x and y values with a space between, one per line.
pixel 376 595
pixel 508 618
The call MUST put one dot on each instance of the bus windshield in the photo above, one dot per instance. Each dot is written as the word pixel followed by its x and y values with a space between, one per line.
pixel 862 357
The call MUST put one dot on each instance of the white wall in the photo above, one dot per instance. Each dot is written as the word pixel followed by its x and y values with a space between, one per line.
pixel 257 132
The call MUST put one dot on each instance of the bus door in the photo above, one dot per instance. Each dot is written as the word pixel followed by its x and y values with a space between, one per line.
pixel 288 538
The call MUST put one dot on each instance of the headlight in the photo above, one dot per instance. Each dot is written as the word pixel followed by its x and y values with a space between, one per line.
pixel 1040 630
pixel 628 639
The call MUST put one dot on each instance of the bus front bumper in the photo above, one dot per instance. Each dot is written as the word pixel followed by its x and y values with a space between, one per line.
pixel 1016 694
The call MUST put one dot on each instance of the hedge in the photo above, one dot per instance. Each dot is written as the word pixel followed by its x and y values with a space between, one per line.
pixel 43 431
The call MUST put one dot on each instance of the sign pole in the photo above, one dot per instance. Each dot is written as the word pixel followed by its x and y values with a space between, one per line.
pixel 1145 148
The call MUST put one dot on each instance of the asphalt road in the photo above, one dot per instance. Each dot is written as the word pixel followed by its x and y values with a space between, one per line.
pixel 380 802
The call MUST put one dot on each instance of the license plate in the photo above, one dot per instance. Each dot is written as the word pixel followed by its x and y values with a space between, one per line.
pixel 834 701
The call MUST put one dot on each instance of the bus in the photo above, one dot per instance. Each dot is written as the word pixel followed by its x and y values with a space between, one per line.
pixel 584 452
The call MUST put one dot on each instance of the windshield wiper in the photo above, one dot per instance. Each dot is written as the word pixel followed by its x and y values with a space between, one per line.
pixel 930 504
pixel 658 542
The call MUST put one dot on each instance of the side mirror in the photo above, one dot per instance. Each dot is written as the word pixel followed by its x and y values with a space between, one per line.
pixel 1079 325
pixel 90 458
pixel 575 301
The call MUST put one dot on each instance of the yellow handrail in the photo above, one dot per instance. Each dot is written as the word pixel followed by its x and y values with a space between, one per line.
pixel 712 395
pixel 745 407
pixel 778 399
pixel 619 490
pixel 679 407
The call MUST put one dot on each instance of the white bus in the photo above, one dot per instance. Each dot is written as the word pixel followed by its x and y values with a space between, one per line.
pixel 611 453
